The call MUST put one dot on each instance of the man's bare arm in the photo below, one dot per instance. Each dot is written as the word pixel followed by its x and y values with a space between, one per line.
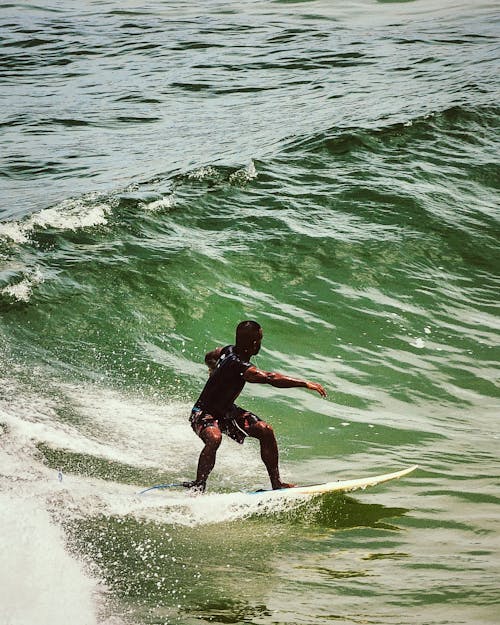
pixel 257 376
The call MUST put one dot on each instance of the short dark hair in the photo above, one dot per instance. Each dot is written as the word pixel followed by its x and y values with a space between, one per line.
pixel 246 332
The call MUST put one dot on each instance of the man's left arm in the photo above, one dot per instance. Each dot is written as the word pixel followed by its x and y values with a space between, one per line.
pixel 257 376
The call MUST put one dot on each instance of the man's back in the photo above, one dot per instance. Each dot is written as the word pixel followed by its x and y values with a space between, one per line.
pixel 224 384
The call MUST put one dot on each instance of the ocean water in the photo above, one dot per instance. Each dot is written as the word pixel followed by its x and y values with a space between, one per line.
pixel 329 169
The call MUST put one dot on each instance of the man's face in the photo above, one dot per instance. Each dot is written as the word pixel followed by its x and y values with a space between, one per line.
pixel 257 342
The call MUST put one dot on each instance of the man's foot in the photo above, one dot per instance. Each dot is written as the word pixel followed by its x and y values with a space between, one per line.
pixel 195 486
pixel 279 485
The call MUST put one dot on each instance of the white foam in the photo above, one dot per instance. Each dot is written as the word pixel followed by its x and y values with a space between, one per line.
pixel 162 204
pixel 13 230
pixel 129 429
pixel 72 214
pixel 42 583
pixel 202 173
pixel 21 291
pixel 178 508
pixel 243 175
pixel 418 343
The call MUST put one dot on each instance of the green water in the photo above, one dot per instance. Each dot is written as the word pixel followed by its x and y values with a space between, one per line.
pixel 331 172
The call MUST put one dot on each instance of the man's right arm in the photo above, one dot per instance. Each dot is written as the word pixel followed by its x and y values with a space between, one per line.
pixel 211 359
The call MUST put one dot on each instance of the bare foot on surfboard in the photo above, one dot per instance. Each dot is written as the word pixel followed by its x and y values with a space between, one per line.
pixel 280 485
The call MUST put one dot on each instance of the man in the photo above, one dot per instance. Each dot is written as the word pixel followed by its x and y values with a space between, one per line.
pixel 215 411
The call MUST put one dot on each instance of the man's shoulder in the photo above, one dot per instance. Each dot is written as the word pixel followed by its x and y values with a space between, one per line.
pixel 226 352
pixel 230 355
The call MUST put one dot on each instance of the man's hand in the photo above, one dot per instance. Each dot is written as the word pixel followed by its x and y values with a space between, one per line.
pixel 314 386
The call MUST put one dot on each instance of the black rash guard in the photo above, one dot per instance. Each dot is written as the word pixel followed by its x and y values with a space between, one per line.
pixel 224 385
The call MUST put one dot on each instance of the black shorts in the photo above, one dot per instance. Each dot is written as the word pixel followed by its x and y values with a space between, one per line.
pixel 235 424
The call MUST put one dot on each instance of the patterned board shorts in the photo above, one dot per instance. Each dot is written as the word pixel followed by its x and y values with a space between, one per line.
pixel 235 424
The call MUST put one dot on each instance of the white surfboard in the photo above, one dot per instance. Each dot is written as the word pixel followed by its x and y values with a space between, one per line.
pixel 343 486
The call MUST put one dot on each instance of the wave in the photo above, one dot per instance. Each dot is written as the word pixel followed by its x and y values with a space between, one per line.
pixel 476 126
pixel 433 174
pixel 436 173
pixel 98 215
pixel 96 209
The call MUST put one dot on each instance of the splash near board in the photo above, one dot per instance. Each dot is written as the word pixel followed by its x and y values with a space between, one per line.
pixel 341 486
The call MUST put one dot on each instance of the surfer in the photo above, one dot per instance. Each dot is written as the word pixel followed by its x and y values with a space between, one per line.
pixel 215 411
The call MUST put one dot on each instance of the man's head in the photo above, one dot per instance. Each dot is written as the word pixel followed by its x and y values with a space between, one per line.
pixel 249 337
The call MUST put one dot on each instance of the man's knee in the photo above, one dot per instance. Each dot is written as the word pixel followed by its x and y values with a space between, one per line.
pixel 212 437
pixel 262 430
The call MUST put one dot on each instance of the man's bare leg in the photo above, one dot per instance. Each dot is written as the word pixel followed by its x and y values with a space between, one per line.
pixel 269 452
pixel 212 437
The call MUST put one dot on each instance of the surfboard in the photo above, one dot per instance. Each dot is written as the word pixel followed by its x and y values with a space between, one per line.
pixel 343 486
